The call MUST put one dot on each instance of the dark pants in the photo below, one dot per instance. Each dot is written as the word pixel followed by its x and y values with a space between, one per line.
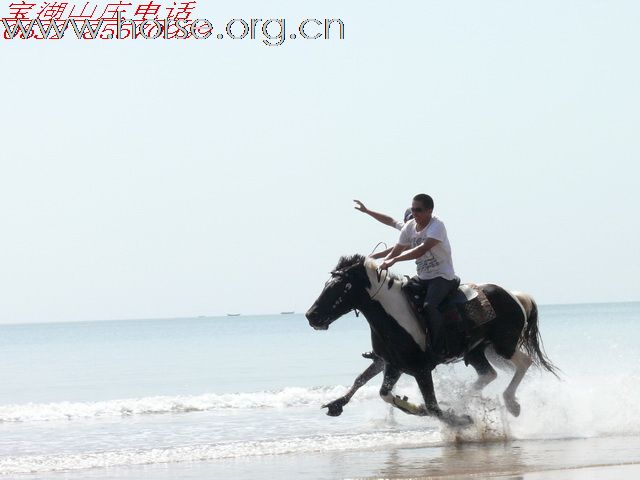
pixel 437 290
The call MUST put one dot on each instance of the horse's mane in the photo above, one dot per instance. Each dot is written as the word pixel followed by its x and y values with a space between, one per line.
pixel 349 261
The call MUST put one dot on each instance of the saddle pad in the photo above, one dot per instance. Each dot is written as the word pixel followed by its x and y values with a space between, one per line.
pixel 479 309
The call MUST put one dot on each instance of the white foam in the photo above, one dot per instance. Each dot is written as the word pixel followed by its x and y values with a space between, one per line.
pixel 327 443
pixel 287 397
pixel 579 406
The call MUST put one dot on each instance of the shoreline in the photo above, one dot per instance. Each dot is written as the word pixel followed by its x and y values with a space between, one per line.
pixel 609 458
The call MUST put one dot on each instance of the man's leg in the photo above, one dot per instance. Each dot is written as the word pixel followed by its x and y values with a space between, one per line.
pixel 437 290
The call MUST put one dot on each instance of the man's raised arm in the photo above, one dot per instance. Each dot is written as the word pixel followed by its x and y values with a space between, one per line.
pixel 381 217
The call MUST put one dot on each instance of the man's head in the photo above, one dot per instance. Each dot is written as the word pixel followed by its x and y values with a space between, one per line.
pixel 422 207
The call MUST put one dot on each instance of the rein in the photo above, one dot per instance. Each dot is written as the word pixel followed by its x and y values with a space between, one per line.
pixel 379 277
pixel 376 247
pixel 379 272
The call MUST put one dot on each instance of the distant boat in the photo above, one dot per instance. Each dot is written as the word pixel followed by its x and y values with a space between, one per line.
pixel 233 314
pixel 286 313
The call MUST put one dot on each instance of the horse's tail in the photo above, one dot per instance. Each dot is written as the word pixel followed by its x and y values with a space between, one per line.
pixel 532 342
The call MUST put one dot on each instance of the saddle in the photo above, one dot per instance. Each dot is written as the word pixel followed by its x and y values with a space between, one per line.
pixel 464 310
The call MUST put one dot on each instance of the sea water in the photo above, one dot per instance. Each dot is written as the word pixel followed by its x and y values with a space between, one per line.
pixel 80 396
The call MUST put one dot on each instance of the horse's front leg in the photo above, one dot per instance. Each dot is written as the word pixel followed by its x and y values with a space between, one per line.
pixel 335 407
pixel 391 376
pixel 425 383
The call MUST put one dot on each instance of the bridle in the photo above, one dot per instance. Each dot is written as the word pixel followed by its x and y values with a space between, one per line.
pixel 347 287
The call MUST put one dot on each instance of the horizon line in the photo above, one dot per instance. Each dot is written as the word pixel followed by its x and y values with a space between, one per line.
pixel 225 315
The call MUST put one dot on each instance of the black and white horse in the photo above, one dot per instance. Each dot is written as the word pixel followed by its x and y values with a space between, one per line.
pixel 400 342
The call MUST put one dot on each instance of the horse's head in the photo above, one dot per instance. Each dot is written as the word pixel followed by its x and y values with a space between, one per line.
pixel 341 293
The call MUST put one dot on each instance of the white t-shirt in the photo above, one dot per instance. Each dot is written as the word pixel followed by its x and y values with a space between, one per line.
pixel 437 262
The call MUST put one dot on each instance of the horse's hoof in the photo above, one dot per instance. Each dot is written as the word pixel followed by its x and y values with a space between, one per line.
pixel 334 409
pixel 465 420
pixel 512 405
pixel 454 420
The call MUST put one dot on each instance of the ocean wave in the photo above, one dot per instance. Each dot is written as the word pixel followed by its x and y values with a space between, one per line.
pixel 326 443
pixel 287 397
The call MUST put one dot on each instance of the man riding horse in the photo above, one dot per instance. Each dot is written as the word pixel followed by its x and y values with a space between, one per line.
pixel 491 317
pixel 424 239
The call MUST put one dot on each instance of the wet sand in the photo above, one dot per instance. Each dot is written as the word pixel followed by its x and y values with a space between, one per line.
pixel 597 458
pixel 610 472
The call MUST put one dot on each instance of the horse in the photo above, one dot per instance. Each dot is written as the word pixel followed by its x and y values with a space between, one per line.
pixel 400 342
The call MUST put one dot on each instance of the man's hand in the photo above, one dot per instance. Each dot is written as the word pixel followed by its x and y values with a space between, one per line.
pixel 381 217
pixel 387 264
pixel 360 206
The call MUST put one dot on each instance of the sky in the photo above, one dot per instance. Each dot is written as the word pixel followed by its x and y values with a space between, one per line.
pixel 155 179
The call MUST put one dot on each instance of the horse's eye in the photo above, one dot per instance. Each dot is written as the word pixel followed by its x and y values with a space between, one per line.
pixel 347 287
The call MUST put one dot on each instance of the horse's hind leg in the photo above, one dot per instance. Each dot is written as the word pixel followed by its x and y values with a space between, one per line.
pixel 486 373
pixel 425 383
pixel 522 362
